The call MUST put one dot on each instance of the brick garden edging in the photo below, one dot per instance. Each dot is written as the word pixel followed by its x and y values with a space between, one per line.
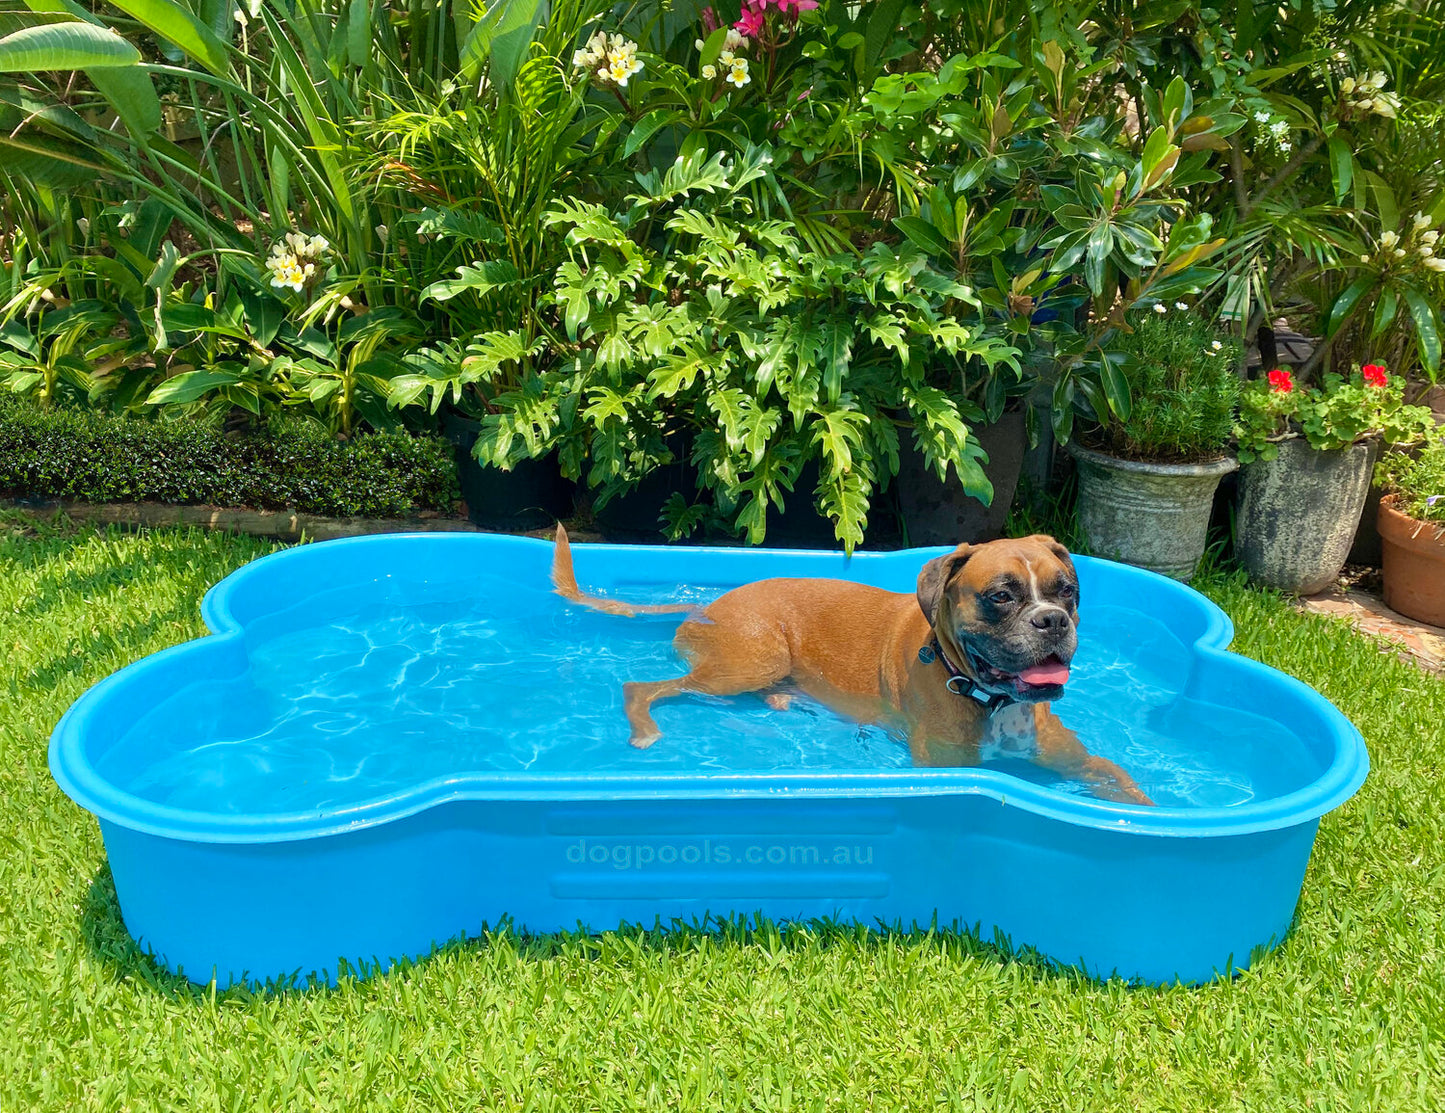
pixel 284 525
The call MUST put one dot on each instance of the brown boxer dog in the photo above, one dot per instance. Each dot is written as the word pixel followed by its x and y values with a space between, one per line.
pixel 964 668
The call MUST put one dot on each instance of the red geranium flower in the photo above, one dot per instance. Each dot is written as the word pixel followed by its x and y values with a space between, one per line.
pixel 1375 374
pixel 1280 382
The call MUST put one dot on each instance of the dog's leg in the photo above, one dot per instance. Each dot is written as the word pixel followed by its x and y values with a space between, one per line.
pixel 703 680
pixel 1059 749
pixel 725 662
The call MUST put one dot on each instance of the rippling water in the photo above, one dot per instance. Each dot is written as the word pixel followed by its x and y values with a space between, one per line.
pixel 342 705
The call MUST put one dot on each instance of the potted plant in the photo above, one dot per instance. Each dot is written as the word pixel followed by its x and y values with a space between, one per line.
pixel 1148 474
pixel 1412 530
pixel 1307 454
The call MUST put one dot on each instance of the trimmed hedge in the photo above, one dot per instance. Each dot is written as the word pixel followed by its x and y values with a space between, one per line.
pixel 94 457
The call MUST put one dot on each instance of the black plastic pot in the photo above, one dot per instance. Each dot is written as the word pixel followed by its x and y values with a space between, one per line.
pixel 801 526
pixel 936 512
pixel 530 496
pixel 637 515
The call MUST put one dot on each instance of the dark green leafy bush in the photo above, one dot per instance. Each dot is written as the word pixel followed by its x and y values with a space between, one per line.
pixel 1182 387
pixel 92 457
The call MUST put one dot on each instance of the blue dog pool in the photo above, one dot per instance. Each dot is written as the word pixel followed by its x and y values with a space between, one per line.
pixel 392 741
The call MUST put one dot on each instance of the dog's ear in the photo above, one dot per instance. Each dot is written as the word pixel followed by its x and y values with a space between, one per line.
pixel 934 578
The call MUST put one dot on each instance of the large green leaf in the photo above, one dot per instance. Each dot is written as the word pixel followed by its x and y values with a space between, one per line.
pixel 483 277
pixel 501 38
pixel 1345 304
pixel 1427 328
pixel 64 46
pixel 190 386
pixel 179 25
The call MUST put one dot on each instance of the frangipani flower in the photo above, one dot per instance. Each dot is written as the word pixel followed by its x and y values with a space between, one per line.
pixel 293 260
pixel 610 58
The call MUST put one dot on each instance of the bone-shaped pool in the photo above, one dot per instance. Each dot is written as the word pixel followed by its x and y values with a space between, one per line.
pixel 431 693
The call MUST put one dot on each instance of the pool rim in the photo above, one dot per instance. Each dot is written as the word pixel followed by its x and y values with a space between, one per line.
pixel 78 778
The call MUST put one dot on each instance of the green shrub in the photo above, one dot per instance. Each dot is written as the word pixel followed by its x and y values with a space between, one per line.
pixel 91 457
pixel 1418 479
pixel 1182 389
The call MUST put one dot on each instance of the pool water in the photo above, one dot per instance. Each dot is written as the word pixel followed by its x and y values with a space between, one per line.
pixel 346 701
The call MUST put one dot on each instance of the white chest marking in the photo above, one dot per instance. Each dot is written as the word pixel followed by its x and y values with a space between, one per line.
pixel 1009 733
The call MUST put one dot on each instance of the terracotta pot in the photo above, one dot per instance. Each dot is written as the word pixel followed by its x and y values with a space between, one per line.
pixel 1153 515
pixel 1297 514
pixel 1414 555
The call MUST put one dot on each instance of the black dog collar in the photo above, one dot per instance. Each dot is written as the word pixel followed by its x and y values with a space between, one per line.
pixel 961 683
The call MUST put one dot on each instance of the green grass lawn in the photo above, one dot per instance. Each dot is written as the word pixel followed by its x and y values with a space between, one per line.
pixel 1348 1014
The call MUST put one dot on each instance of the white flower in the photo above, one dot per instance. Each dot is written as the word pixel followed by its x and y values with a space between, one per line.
pixel 1215 345
pixel 1435 264
pixel 709 72
pixel 1429 237
pixel 1262 116
pixel 1180 305
pixel 1284 146
pixel 1279 129
pixel 1420 220
pixel 83 225
pixel 738 74
pixel 1388 239
pixel 735 40
pixel 1377 80
pixel 293 259
pixel 1159 307
pixel 1347 86
pixel 698 44
pixel 383 233
pixel 1426 251
pixel 1398 253
pixel 725 58
pixel 1364 258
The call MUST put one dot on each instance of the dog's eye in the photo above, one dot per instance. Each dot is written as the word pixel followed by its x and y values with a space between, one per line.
pixel 1001 597
pixel 1067 590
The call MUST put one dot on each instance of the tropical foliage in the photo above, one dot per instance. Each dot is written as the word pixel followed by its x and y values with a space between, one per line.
pixel 855 223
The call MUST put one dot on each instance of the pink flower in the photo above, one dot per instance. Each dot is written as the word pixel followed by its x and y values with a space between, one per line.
pixel 752 18
pixel 709 19
pixel 798 6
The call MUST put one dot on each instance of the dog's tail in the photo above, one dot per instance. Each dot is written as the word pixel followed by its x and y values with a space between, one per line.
pixel 564 579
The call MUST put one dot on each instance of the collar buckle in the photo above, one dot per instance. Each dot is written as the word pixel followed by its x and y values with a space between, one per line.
pixel 961 683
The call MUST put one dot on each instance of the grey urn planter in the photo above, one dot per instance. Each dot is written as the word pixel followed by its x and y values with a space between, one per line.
pixel 1155 516
pixel 1297 514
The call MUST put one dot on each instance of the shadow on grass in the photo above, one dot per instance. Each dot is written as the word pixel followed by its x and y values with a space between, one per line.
pixel 112 947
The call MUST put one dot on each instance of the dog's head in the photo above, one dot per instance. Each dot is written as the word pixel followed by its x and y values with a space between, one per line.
pixel 1005 611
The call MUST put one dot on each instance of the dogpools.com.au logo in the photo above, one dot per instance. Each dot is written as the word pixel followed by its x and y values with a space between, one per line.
pixel 717 853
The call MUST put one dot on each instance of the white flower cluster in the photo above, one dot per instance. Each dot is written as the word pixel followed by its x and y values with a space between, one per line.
pixel 733 66
pixel 293 260
pixel 1367 94
pixel 1425 240
pixel 609 58
pixel 1278 131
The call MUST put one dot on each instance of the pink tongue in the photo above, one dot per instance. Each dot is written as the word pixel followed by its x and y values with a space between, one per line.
pixel 1050 672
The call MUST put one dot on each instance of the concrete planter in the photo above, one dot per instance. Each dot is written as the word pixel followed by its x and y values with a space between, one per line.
pixel 1297 514
pixel 1414 557
pixel 1153 515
